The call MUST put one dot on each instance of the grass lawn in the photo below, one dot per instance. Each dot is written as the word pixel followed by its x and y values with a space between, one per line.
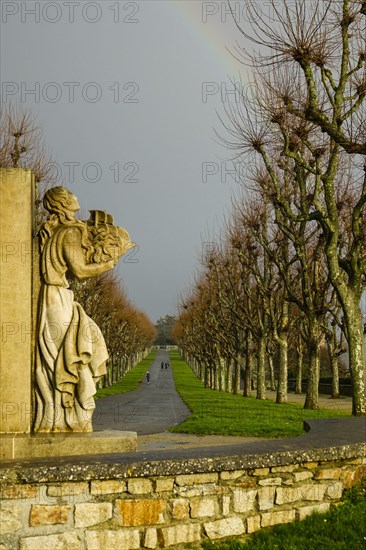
pixel 220 413
pixel 342 528
pixel 131 380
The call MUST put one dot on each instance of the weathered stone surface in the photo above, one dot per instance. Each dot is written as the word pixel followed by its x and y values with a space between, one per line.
pixel 47 515
pixel 225 505
pixel 302 476
pixel 328 473
pixel 164 484
pixel 126 539
pixel 266 498
pixel 284 469
pixel 151 538
pixel 10 518
pixel 140 486
pixel 107 487
pixel 92 513
pixel 313 492
pixel 194 479
pixel 334 490
pixel 304 511
pixel 243 501
pixel 140 512
pixel 274 518
pixel 179 534
pixel 180 508
pixel 18 492
pixel 59 541
pixel 260 472
pixel 17 193
pixel 224 528
pixel 310 465
pixel 270 481
pixel 253 524
pixel 68 489
pixel 285 495
pixel 225 476
pixel 203 507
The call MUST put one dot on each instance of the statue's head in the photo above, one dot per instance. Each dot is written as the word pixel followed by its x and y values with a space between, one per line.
pixel 59 200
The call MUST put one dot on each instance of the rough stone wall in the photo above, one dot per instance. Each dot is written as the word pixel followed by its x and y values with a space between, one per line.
pixel 174 511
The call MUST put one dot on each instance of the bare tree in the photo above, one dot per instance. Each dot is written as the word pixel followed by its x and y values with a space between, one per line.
pixel 307 122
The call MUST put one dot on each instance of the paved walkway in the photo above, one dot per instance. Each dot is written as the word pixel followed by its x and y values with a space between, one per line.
pixel 153 408
pixel 150 409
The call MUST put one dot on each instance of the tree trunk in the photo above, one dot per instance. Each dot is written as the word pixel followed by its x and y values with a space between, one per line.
pixel 300 360
pixel 283 370
pixel 312 394
pixel 261 369
pixel 229 379
pixel 237 374
pixel 357 363
pixel 247 391
pixel 222 374
pixel 271 373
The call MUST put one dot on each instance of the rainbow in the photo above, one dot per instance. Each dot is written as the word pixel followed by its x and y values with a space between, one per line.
pixel 211 33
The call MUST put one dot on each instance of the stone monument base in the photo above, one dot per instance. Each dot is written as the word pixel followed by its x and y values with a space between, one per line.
pixel 40 445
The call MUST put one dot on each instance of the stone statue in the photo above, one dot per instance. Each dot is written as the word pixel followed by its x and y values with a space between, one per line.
pixel 71 353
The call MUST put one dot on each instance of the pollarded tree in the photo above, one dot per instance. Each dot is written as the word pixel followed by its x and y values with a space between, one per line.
pixel 310 122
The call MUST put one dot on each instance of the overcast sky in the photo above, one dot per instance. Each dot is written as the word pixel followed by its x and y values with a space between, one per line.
pixel 127 94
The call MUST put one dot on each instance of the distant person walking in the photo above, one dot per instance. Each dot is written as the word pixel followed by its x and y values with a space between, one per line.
pixel 162 365
pixel 166 365
pixel 148 377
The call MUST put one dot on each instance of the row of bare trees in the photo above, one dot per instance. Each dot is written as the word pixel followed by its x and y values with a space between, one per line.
pixel 128 332
pixel 294 255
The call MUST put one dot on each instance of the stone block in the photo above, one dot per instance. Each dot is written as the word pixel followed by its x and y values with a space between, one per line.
pixel 310 465
pixel 253 524
pixel 10 518
pixel 244 501
pixel 17 194
pixel 92 513
pixel 48 515
pixel 225 505
pixel 313 492
pixel 140 511
pixel 285 495
pixel 260 472
pixel 195 479
pixel 334 490
pixel 164 484
pixel 126 539
pixel 274 518
pixel 270 481
pixel 227 476
pixel 180 508
pixel 59 541
pixel 151 538
pixel 266 498
pixel 107 487
pixel 203 507
pixel 284 469
pixel 328 473
pixel 302 476
pixel 139 486
pixel 19 492
pixel 68 489
pixel 179 534
pixel 228 527
pixel 316 508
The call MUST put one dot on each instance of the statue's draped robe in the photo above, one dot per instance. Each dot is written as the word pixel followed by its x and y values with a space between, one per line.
pixel 71 353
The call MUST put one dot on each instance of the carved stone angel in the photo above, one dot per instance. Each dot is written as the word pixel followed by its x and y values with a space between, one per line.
pixel 71 353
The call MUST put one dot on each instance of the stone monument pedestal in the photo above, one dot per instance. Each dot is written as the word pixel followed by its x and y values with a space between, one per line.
pixel 41 445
